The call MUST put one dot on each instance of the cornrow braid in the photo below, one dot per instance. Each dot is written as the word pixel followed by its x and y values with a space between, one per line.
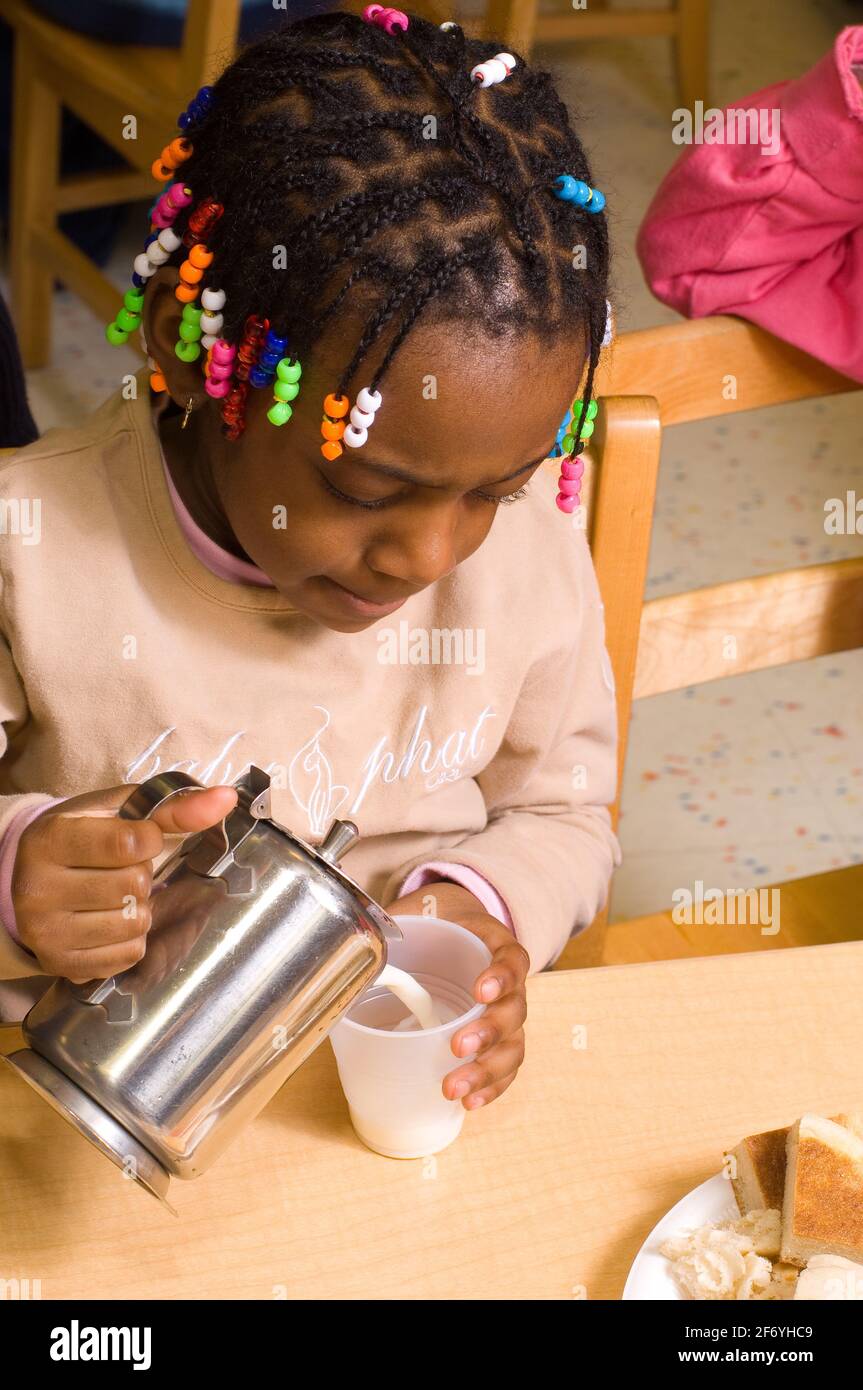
pixel 316 140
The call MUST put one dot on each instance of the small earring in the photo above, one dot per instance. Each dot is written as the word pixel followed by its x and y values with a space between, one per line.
pixel 189 409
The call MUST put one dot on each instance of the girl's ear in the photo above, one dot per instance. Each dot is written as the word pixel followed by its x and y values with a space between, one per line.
pixel 160 319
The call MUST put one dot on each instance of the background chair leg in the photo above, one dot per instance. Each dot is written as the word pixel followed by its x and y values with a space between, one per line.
pixel 692 52
pixel 35 171
pixel 514 21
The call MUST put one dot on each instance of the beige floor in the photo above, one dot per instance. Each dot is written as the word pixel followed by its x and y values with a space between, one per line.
pixel 743 782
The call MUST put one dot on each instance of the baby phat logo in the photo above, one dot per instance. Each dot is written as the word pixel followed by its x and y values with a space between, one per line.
pixel 311 777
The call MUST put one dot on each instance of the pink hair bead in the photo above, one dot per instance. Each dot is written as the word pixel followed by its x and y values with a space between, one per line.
pixel 178 196
pixel 570 469
pixel 224 351
pixel 566 504
pixel 220 371
pixel 391 20
pixel 570 487
pixel 215 388
pixel 371 12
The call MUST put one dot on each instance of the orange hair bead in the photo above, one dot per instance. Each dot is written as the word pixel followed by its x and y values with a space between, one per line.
pixel 337 406
pixel 161 171
pixel 191 274
pixel 333 429
pixel 331 450
pixel 157 382
pixel 186 293
pixel 200 256
pixel 178 151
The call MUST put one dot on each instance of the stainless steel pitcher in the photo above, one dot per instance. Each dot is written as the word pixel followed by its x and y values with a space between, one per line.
pixel 259 943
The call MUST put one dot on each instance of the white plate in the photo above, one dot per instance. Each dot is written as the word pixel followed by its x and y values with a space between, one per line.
pixel 650 1275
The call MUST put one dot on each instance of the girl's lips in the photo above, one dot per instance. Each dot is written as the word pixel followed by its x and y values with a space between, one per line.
pixel 356 604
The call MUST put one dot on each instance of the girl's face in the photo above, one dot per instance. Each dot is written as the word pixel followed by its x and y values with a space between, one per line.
pixel 465 421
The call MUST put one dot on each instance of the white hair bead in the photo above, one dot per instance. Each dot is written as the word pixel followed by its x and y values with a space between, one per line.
pixel 508 60
pixel 143 267
pixel 354 438
pixel 209 339
pixel 369 401
pixel 448 24
pixel 156 254
pixel 168 239
pixel 211 323
pixel 496 71
pixel 362 418
pixel 213 300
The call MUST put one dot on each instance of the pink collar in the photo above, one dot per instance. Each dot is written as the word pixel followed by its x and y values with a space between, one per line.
pixel 218 561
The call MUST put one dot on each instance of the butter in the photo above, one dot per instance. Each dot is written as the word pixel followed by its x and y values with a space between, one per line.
pixel 831 1277
pixel 728 1260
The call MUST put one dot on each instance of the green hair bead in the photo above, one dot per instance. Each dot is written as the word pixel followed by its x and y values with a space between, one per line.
pixel 289 371
pixel 187 352
pixel 587 429
pixel 192 313
pixel 190 332
pixel 285 390
pixel 127 321
pixel 115 335
pixel 134 301
pixel 568 443
pixel 591 410
pixel 279 413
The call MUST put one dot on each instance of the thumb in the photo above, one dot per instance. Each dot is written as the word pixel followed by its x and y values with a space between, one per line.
pixel 194 810
pixel 185 812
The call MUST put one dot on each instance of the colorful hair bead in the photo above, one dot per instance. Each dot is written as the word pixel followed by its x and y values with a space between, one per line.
pixel 333 425
pixel 197 109
pixel 200 257
pixel 169 161
pixel 157 376
pixel 573 190
pixel 493 70
pixel 572 467
pixel 368 404
pixel 286 388
pixel 272 353
pixel 212 319
pixel 386 18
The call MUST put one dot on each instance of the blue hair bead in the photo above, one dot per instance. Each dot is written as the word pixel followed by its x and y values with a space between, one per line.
pixel 573 190
pixel 138 280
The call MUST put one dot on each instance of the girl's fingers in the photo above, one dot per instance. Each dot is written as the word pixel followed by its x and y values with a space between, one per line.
pixel 499 1021
pixel 476 1099
pixel 507 972
pixel 492 1066
pixel 93 930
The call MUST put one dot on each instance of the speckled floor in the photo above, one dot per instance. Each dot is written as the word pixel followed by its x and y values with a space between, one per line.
pixel 743 781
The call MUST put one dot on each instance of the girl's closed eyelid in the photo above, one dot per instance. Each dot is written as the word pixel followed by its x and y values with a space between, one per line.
pixel 382 502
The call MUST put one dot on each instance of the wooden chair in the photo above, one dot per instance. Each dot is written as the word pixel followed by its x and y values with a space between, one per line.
pixel 102 83
pixel 676 642
pixel 685 22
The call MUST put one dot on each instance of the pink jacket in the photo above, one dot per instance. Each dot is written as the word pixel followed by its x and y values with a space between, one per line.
pixel 774 237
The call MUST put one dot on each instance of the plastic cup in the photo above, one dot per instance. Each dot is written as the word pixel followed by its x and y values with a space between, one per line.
pixel 392 1080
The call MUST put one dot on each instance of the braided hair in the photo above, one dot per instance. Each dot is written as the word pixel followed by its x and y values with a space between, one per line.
pixel 317 139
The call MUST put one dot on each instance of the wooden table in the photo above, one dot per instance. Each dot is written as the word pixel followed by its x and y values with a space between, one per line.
pixel 547 1195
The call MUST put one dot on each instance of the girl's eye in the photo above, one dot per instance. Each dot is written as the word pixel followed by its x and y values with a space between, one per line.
pixel 389 501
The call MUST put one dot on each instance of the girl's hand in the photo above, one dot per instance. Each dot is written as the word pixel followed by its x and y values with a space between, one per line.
pixel 498 1036
pixel 77 867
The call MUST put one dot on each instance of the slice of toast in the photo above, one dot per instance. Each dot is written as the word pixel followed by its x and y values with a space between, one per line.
pixel 758 1171
pixel 758 1168
pixel 822 1211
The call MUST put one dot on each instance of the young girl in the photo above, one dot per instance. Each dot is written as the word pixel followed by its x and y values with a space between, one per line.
pixel 297 557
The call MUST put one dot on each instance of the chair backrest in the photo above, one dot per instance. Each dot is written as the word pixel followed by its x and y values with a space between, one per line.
pixel 694 370
pixel 209 40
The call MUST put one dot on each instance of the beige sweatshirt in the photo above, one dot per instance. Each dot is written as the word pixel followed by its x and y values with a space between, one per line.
pixel 122 654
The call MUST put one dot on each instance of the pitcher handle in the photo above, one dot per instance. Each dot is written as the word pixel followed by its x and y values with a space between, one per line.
pixel 150 795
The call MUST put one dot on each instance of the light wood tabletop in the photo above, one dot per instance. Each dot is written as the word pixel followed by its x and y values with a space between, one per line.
pixel 636 1078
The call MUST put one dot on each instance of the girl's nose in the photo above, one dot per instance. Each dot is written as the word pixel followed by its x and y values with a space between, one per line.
pixel 419 555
